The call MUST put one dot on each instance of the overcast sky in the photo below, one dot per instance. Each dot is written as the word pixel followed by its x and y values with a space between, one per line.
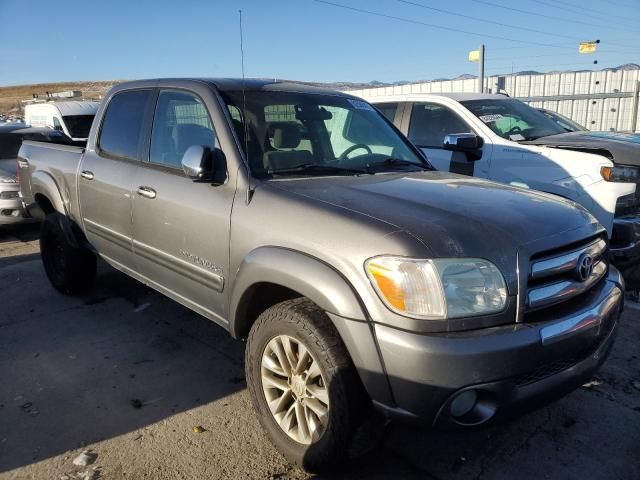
pixel 65 40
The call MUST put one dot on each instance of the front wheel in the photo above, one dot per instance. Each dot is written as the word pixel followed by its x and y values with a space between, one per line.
pixel 302 383
pixel 69 269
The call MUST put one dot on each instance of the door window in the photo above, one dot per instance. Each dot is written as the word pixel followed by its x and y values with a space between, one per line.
pixel 122 125
pixel 431 122
pixel 181 121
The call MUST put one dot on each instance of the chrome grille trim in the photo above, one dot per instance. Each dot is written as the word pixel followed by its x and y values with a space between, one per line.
pixel 566 262
pixel 560 291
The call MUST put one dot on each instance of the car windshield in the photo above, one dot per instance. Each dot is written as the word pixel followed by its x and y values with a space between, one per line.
pixel 78 125
pixel 302 134
pixel 512 119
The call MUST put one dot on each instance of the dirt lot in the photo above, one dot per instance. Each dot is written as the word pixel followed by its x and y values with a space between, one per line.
pixel 11 97
pixel 126 374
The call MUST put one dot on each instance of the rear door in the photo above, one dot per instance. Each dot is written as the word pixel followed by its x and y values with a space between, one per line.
pixel 429 123
pixel 106 175
pixel 181 228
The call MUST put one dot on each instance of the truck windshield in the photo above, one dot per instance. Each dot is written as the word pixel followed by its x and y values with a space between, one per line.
pixel 303 134
pixel 78 125
pixel 512 119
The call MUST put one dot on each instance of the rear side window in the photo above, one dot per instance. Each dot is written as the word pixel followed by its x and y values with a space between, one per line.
pixel 122 125
pixel 430 123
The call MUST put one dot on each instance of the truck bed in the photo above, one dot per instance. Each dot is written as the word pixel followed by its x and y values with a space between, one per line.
pixel 45 162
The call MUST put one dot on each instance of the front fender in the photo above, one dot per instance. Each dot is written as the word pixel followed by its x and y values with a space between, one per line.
pixel 297 271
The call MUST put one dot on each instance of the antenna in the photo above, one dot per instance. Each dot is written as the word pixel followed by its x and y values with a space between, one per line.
pixel 244 110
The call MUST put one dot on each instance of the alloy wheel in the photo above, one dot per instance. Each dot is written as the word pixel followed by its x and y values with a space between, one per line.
pixel 295 390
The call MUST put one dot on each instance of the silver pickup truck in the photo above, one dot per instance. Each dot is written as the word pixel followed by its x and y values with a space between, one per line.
pixel 302 221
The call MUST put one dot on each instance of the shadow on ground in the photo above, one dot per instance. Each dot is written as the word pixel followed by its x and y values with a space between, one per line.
pixel 89 370
pixel 76 371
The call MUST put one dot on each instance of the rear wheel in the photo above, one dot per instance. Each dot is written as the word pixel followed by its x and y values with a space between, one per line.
pixel 303 384
pixel 69 269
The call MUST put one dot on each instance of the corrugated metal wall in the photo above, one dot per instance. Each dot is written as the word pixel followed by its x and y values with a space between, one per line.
pixel 597 100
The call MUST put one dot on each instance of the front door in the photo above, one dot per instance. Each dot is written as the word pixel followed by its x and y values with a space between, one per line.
pixel 106 176
pixel 181 227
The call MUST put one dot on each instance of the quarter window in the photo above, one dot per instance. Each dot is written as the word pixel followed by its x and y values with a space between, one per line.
pixel 122 125
pixel 181 121
pixel 431 122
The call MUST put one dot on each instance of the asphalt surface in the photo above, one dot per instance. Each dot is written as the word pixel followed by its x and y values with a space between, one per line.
pixel 127 374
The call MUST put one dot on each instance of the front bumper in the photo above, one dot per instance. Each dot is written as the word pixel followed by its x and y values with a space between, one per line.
pixel 509 368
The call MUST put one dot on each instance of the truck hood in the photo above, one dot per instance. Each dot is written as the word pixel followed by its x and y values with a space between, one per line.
pixel 621 148
pixel 453 215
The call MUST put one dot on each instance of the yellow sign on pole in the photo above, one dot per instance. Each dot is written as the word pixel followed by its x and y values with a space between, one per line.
pixel 587 47
pixel 474 55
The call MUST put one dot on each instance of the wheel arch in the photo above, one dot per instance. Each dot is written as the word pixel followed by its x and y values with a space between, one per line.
pixel 46 194
pixel 269 275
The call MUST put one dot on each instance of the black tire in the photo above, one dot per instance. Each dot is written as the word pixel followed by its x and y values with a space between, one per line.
pixel 304 321
pixel 70 269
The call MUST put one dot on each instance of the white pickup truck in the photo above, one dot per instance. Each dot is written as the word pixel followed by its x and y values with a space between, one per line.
pixel 503 139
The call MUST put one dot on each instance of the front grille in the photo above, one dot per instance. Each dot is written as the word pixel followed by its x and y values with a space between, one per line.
pixel 565 274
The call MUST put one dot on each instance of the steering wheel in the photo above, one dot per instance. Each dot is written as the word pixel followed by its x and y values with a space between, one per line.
pixel 512 130
pixel 353 148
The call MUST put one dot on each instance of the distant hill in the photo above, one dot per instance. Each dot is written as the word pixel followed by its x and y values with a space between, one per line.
pixel 11 97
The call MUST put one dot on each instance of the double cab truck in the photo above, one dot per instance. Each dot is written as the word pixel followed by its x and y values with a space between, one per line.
pixel 301 221
pixel 505 140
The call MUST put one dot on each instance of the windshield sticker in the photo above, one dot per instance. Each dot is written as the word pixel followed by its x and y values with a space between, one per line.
pixel 490 118
pixel 516 137
pixel 360 105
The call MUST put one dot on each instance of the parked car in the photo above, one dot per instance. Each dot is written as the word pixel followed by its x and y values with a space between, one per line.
pixel 11 210
pixel 503 139
pixel 302 221
pixel 72 117
pixel 565 122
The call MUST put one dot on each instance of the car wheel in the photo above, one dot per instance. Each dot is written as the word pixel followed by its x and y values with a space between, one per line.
pixel 303 384
pixel 69 269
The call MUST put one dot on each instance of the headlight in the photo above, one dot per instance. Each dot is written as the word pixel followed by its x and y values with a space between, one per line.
pixel 4 179
pixel 621 174
pixel 439 288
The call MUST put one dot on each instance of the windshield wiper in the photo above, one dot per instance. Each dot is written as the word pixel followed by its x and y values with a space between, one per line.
pixel 314 168
pixel 401 162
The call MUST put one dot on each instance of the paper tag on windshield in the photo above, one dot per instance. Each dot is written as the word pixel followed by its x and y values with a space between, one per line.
pixel 360 105
pixel 490 118
pixel 516 137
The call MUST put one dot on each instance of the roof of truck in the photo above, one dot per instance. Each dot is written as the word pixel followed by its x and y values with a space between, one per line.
pixel 249 85
pixel 416 97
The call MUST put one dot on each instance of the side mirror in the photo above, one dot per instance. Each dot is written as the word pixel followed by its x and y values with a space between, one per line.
pixel 200 163
pixel 462 142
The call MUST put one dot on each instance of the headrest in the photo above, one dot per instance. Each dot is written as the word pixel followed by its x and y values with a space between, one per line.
pixel 188 134
pixel 286 135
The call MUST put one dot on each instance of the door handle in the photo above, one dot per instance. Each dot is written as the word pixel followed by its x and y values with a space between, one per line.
pixel 87 174
pixel 146 192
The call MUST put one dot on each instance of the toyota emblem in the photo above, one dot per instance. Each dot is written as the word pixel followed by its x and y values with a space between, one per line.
pixel 584 267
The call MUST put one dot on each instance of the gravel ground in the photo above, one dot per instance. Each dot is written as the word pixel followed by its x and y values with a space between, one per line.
pixel 127 374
